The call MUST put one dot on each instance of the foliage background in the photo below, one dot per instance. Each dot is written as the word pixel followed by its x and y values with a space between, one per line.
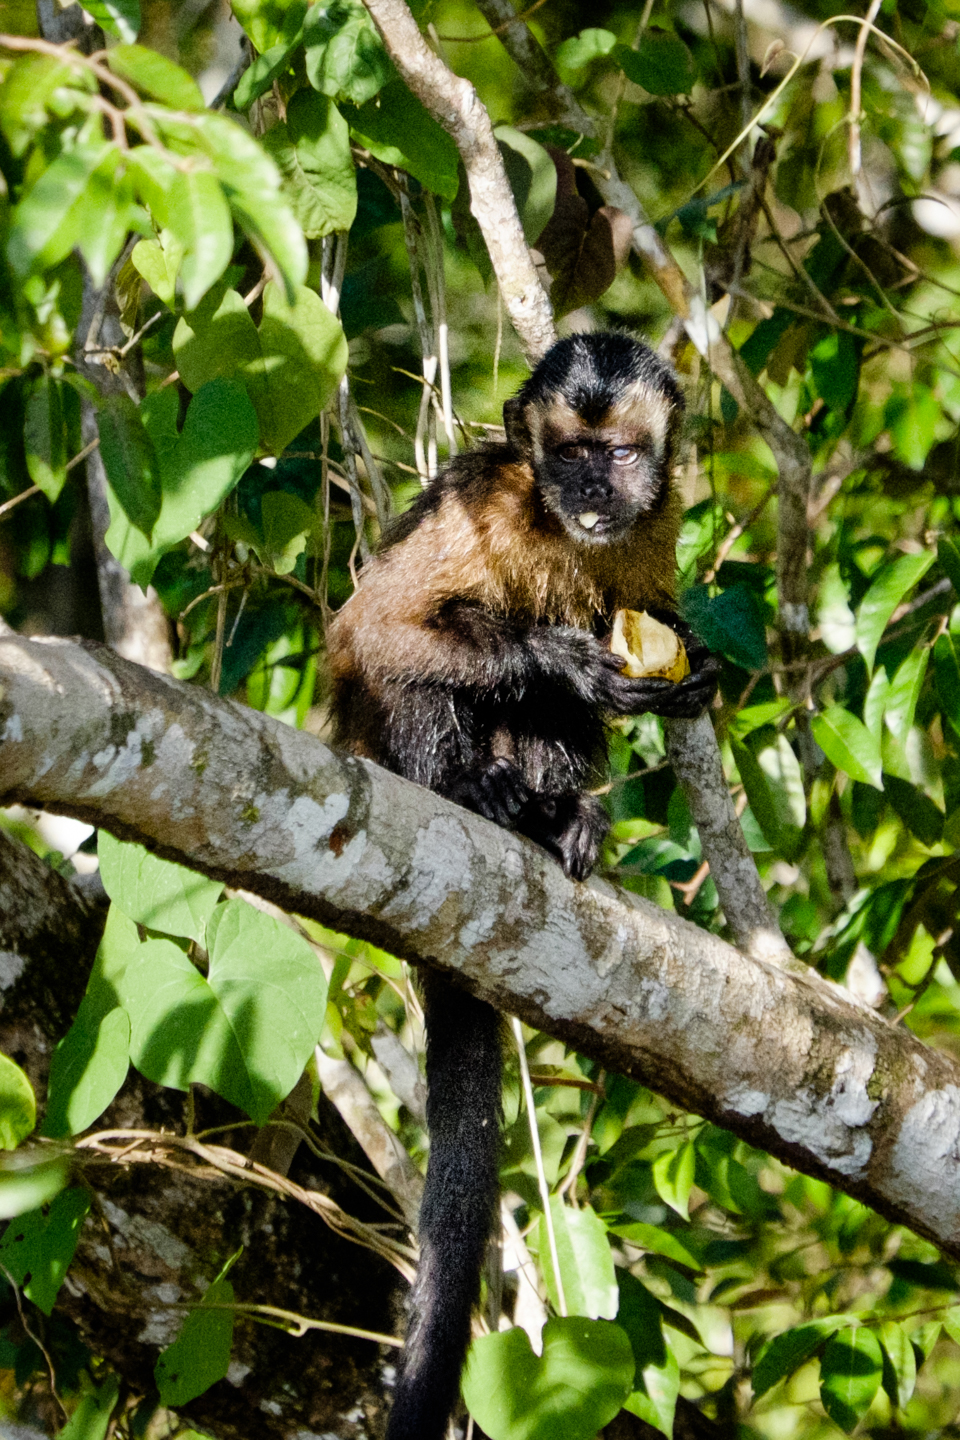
pixel 835 278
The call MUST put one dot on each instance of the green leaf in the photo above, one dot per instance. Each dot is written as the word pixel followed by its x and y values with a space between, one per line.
pixel 834 616
pixel 835 363
pixel 398 130
pixel 247 1030
pixel 130 461
pixel 287 523
pixel 574 55
pixel 198 468
pixel 116 17
pixel 346 59
pixel 656 1241
pixel 915 809
pixel 655 1397
pixel 848 744
pixel 673 1172
pixel 251 183
pixel 257 79
pixel 18 1105
pixel 885 594
pixel 946 655
pixel 26 94
pixel 36 1249
pixel 45 436
pixel 198 218
pixel 787 1352
pixel 91 1419
pixel 586 1264
pixel 912 414
pixel 157 893
pixel 774 786
pixel 153 174
pixel 155 76
pixel 118 946
pixel 640 1316
pixel 159 264
pixel 661 64
pixel 533 178
pixel 899 1363
pixel 754 717
pixel 87 1069
pixel 28 1181
pixel 104 214
pixel 948 554
pixel 200 1355
pixel 572 1390
pixel 290 366
pixel 49 220
pixel 270 22
pixel 731 624
pixel 924 1339
pixel 875 704
pixel 851 1369
pixel 312 151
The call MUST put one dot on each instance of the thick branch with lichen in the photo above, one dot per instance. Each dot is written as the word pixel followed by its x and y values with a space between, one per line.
pixel 787 1061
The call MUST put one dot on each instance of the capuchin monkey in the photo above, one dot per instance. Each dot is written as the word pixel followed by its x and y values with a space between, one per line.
pixel 474 659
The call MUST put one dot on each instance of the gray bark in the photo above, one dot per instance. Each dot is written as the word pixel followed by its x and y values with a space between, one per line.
pixel 790 1062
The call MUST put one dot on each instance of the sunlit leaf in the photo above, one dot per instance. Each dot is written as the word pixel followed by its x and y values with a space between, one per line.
pixel 586 1264
pixel 673 1172
pixel 155 76
pixel 885 594
pixel 787 1352
pixel 849 745
pixel 572 1390
pixel 87 1069
pixel 346 59
pixel 851 1369
pixel 18 1104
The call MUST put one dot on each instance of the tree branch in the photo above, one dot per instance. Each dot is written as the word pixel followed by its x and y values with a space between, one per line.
pixel 789 1062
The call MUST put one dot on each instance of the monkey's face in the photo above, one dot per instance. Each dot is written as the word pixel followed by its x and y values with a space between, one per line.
pixel 601 480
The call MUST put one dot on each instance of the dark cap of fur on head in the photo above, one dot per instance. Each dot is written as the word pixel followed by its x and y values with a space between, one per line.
pixel 591 372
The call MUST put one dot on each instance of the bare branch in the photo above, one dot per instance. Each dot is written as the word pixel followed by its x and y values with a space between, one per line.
pixel 454 103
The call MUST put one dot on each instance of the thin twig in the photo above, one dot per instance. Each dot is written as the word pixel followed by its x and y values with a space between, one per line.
pixel 856 79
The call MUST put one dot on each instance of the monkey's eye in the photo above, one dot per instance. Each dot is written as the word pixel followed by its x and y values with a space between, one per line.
pixel 574 452
pixel 624 454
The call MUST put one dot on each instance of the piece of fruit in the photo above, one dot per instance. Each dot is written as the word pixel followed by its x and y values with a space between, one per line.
pixel 649 648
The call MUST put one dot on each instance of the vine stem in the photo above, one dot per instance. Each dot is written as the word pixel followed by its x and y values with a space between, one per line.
pixel 538 1157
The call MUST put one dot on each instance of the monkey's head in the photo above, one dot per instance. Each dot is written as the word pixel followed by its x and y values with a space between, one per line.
pixel 598 422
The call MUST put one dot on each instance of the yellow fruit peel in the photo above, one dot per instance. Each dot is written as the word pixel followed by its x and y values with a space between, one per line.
pixel 649 648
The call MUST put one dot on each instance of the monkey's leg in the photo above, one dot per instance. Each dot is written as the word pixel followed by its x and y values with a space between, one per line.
pixel 459 1206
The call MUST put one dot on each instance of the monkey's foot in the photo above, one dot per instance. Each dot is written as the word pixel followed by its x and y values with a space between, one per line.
pixel 570 827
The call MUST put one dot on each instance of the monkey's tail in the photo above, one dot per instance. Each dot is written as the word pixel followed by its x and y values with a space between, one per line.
pixel 464 1064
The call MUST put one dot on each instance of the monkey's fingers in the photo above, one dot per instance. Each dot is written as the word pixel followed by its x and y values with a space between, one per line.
pixel 495 790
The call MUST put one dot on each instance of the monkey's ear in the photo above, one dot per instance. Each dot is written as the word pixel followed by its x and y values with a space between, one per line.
pixel 515 424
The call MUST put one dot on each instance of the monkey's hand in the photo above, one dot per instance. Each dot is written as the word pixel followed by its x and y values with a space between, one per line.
pixel 495 789
pixel 684 700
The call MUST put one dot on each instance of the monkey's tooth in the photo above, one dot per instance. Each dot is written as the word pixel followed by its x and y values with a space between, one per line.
pixel 588 519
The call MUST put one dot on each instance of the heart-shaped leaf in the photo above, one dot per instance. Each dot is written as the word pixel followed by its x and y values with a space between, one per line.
pixel 290 366
pixel 573 1389
pixel 247 1030
pixel 198 468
